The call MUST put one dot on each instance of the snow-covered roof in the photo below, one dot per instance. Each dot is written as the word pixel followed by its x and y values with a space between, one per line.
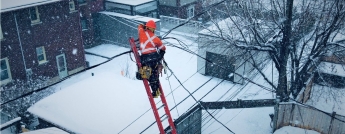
pixel 50 130
pixel 107 102
pixel 210 2
pixel 226 27
pixel 213 28
pixel 10 5
pixel 332 68
pixel 130 2
pixel 136 17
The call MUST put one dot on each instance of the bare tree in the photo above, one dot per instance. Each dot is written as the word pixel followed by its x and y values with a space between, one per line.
pixel 17 97
pixel 294 35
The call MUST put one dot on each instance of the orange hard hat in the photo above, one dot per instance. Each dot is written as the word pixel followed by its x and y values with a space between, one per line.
pixel 151 24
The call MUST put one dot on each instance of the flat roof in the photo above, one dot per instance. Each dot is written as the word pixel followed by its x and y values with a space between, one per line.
pixel 50 130
pixel 332 68
pixel 135 17
pixel 10 5
pixel 130 2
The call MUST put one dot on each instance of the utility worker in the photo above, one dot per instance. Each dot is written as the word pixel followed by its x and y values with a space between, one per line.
pixel 152 52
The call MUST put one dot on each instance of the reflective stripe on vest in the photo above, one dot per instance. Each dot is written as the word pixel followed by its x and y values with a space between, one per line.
pixel 149 39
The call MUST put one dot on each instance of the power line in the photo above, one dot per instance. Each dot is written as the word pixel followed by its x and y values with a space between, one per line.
pixel 199 102
pixel 228 99
pixel 160 101
pixel 213 63
pixel 187 50
pixel 206 60
pixel 63 79
pixel 171 91
pixel 104 62
pixel 181 101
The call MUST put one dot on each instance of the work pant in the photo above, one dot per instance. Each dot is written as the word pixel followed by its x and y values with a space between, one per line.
pixel 152 60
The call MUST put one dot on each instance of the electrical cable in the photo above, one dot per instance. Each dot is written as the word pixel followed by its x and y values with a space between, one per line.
pixel 198 101
pixel 191 53
pixel 171 91
pixel 195 54
pixel 180 102
pixel 63 79
pixel 120 55
pixel 233 95
pixel 168 95
pixel 186 51
pixel 263 87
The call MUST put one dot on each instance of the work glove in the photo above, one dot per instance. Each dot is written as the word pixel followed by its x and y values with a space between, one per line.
pixel 160 68
pixel 161 53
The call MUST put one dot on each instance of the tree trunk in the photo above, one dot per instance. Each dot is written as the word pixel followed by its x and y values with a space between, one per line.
pixel 284 53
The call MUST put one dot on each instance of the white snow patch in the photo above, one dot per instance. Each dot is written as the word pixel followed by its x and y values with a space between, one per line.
pixel 136 17
pixel 294 130
pixel 9 5
pixel 50 130
pixel 332 68
pixel 10 122
pixel 131 2
pixel 74 52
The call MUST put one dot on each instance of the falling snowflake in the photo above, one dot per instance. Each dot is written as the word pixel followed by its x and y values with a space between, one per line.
pixel 29 32
pixel 75 51
pixel 230 75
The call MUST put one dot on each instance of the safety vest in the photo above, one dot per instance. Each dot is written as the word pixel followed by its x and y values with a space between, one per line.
pixel 149 44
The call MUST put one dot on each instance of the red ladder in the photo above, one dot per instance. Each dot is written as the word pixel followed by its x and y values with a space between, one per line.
pixel 148 91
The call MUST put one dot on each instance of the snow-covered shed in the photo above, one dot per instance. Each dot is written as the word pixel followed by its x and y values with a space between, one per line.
pixel 133 7
pixel 331 74
pixel 231 63
pixel 117 28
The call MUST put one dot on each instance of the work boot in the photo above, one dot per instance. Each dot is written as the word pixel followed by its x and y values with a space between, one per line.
pixel 156 93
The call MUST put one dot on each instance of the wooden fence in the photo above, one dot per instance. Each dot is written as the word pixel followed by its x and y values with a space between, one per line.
pixel 304 95
pixel 293 114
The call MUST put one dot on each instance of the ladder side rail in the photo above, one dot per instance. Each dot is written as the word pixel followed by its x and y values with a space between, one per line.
pixel 166 109
pixel 147 87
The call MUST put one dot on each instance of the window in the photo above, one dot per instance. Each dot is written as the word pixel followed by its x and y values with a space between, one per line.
pixel 5 71
pixel 82 2
pixel 1 35
pixel 41 55
pixel 190 11
pixel 83 24
pixel 71 6
pixel 34 15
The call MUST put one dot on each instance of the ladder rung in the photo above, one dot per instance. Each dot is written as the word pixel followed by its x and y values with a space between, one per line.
pixel 160 107
pixel 164 117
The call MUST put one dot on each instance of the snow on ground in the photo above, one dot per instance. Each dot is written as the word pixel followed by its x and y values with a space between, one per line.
pixel 294 130
pixel 111 99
